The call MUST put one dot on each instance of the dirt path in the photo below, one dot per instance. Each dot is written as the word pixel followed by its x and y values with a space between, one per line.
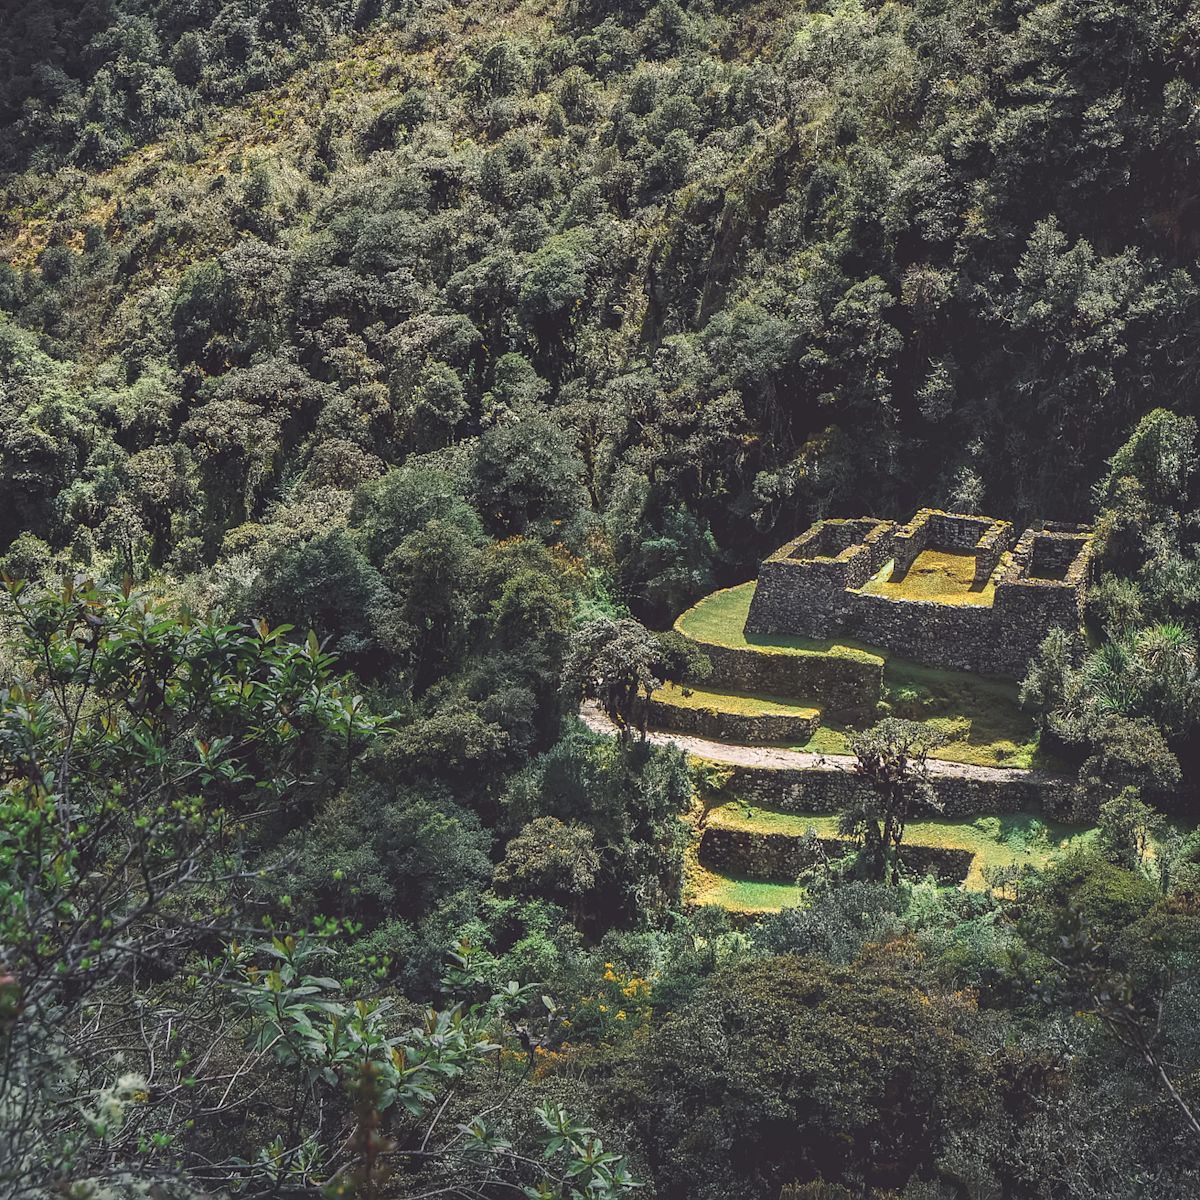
pixel 774 758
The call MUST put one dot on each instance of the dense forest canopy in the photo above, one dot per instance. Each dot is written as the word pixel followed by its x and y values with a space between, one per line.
pixel 481 340
pixel 761 262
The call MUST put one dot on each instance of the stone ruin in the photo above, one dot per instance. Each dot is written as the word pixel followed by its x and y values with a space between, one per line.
pixel 846 579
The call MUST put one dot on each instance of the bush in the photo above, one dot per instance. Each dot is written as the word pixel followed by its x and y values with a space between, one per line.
pixel 787 1069
pixel 1108 898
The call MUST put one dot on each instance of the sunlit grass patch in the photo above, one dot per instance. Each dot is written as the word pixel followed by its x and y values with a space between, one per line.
pixel 745 895
pixel 979 739
pixel 980 716
pixel 828 739
pixel 936 575
pixel 752 819
pixel 720 620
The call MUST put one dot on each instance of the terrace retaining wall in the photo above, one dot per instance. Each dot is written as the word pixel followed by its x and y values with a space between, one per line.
pixel 832 789
pixel 782 856
pixel 722 726
pixel 961 636
pixel 846 686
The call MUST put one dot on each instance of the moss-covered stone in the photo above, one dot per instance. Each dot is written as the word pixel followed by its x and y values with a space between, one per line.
pixel 752 854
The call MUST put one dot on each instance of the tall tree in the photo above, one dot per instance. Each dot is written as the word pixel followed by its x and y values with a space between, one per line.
pixel 892 758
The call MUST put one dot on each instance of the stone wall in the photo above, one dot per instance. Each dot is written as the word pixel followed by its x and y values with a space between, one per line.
pixel 802 587
pixel 1052 558
pixel 845 684
pixel 781 857
pixel 1025 614
pixel 932 529
pixel 1041 589
pixel 990 549
pixel 723 726
pixel 800 598
pixel 831 789
pixel 961 636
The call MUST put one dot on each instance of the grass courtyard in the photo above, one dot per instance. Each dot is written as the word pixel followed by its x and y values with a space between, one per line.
pixel 939 575
pixel 742 895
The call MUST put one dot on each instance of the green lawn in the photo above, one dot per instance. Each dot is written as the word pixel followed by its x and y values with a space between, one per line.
pixel 828 738
pixel 743 703
pixel 979 715
pixel 998 841
pixel 985 738
pixel 745 895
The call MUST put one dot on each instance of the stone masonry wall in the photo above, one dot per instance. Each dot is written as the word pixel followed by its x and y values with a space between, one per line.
pixel 802 598
pixel 831 789
pixel 725 726
pixel 990 549
pixel 949 635
pixel 779 856
pixel 847 687
pixel 932 529
pixel 1025 614
pixel 802 587
pixel 1029 605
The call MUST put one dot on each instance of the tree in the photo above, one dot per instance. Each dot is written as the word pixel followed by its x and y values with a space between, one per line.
pixel 892 759
pixel 142 754
pixel 371 1104
pixel 515 392
pixel 670 566
pixel 437 406
pixel 552 860
pixel 553 289
pixel 434 575
pixel 1128 828
pixel 203 315
pixel 1125 753
pixel 402 502
pixel 631 797
pixel 377 852
pixel 1048 681
pixel 525 477
pixel 1160 455
pixel 620 664
pixel 327 585
pixel 1131 1016
pixel 1145 501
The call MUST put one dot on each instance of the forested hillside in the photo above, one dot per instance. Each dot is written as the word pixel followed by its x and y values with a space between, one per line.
pixel 481 340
